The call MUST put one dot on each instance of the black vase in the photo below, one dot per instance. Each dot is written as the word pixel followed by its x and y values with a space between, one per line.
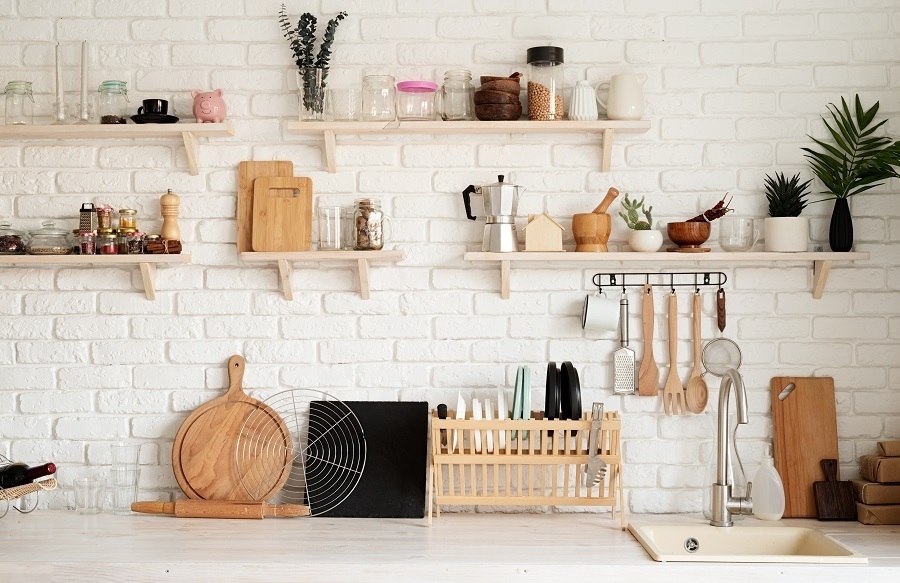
pixel 840 233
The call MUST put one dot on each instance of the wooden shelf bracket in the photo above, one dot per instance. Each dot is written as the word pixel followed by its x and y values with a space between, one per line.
pixel 285 271
pixel 821 269
pixel 504 280
pixel 148 274
pixel 192 149
pixel 330 146
pixel 363 266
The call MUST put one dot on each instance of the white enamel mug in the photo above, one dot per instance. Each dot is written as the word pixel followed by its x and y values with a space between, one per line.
pixel 600 313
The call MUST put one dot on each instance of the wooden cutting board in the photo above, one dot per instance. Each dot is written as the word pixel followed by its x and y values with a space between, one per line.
pixel 247 173
pixel 204 452
pixel 282 214
pixel 805 424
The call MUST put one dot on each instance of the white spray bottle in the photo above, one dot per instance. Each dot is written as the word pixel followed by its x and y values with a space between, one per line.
pixel 768 491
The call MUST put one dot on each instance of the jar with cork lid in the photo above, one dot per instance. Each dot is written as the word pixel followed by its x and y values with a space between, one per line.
pixel 546 81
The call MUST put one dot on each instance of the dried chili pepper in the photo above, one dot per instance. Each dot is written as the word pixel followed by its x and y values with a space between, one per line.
pixel 718 211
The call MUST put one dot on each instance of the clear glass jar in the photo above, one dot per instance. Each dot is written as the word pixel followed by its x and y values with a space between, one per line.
pixel 113 102
pixel 457 97
pixel 415 100
pixel 135 243
pixel 546 80
pixel 378 98
pixel 12 242
pixel 150 239
pixel 19 103
pixel 369 224
pixel 108 244
pixel 122 239
pixel 127 219
pixel 104 217
pixel 87 243
pixel 49 240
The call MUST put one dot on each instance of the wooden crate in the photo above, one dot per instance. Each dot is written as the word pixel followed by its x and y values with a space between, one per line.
pixel 543 469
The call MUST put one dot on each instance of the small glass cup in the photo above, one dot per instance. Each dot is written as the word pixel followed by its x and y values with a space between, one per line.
pixel 89 493
pixel 331 228
pixel 343 104
pixel 737 234
pixel 125 482
pixel 125 454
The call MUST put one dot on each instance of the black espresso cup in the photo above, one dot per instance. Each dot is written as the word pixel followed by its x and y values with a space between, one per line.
pixel 154 107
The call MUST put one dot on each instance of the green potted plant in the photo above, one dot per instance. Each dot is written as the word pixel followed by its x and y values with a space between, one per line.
pixel 857 161
pixel 643 237
pixel 785 230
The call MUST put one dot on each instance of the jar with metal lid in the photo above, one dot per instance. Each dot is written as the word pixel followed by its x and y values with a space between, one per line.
pixel 127 219
pixel 122 239
pixel 546 81
pixel 49 240
pixel 12 241
pixel 108 244
pixel 368 221
pixel 135 243
pixel 150 239
pixel 87 243
pixel 457 96
pixel 415 100
pixel 379 96
pixel 113 104
pixel 104 217
pixel 19 103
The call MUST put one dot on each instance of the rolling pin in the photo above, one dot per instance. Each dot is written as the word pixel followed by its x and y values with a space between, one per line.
pixel 611 195
pixel 220 509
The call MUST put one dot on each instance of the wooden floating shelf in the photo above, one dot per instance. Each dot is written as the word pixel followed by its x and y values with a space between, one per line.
pixel 821 261
pixel 147 263
pixel 605 127
pixel 190 133
pixel 285 261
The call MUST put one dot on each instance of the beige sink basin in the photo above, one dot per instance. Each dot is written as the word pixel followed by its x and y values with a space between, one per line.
pixel 701 542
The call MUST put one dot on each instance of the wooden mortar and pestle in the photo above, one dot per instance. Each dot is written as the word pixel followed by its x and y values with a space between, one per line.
pixel 592 229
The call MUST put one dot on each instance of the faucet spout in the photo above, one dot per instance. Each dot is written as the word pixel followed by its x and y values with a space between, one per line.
pixel 724 506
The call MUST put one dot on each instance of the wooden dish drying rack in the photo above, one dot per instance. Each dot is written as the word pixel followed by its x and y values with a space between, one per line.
pixel 544 468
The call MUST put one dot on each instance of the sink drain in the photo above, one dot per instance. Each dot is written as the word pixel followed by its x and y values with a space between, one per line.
pixel 691 545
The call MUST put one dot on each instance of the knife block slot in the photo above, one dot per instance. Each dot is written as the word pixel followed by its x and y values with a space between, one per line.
pixel 543 465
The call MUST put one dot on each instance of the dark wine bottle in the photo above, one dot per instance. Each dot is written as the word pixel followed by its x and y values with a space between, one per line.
pixel 18 474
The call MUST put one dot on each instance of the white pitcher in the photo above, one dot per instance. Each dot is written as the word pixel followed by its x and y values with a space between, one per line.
pixel 583 106
pixel 626 96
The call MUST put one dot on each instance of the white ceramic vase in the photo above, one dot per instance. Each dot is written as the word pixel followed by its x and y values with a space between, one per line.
pixel 583 106
pixel 786 234
pixel 647 241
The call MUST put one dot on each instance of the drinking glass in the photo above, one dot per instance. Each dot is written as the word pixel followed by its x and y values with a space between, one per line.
pixel 124 488
pixel 89 494
pixel 736 234
pixel 331 228
pixel 125 454
pixel 343 104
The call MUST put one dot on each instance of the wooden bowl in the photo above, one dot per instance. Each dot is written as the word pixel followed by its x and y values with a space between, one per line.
pixel 688 236
pixel 591 231
pixel 498 111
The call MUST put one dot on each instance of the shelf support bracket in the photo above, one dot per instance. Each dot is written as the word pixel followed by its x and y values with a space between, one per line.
pixel 148 274
pixel 284 279
pixel 606 162
pixel 330 146
pixel 504 280
pixel 192 149
pixel 364 290
pixel 820 276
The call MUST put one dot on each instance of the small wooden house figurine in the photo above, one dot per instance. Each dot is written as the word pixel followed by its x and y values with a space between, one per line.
pixel 542 233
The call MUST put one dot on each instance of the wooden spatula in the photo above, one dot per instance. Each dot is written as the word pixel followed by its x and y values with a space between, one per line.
pixel 648 375
pixel 834 499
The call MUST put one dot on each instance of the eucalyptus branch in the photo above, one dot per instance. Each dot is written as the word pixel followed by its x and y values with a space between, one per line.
pixel 327 40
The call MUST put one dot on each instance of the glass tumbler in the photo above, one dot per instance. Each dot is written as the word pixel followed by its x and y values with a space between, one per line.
pixel 379 95
pixel 736 234
pixel 125 482
pixel 343 104
pixel 89 493
pixel 125 454
pixel 331 228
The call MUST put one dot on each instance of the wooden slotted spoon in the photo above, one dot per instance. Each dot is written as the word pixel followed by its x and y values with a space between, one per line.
pixel 696 395
pixel 648 375
pixel 673 397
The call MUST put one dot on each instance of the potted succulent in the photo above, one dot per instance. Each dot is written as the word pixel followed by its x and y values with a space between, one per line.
pixel 643 238
pixel 785 230
pixel 857 161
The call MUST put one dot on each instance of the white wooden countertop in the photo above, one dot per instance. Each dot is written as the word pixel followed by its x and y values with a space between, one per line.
pixel 58 546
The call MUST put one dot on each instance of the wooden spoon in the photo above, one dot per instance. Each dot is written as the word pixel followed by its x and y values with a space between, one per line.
pixel 696 395
pixel 648 375
pixel 673 397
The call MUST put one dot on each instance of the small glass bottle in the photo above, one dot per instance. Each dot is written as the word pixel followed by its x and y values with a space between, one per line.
pixel 87 243
pixel 104 217
pixel 113 104
pixel 457 96
pixel 108 245
pixel 379 96
pixel 122 240
pixel 546 80
pixel 127 219
pixel 369 224
pixel 19 103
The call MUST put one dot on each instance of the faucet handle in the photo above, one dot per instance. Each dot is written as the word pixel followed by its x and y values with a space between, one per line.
pixel 749 489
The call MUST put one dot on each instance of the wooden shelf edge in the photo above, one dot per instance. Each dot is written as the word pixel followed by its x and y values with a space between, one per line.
pixel 114 131
pixel 466 127
pixel 93 259
pixel 321 256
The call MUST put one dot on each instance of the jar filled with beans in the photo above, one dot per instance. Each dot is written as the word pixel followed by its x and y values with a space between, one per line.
pixel 546 80
pixel 368 224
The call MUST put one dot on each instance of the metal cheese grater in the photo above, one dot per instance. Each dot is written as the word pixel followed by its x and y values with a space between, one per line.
pixel 87 218
pixel 623 358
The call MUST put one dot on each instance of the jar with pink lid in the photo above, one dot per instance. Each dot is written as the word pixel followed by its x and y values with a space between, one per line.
pixel 415 100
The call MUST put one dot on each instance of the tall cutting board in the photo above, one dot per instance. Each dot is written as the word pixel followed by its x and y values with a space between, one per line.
pixel 805 424
pixel 282 223
pixel 248 172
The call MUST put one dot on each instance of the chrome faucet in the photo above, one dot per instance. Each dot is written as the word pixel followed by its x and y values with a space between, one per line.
pixel 724 505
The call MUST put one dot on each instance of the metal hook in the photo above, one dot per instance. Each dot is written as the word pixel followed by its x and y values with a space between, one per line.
pixel 696 287
pixel 623 283
pixel 706 279
pixel 672 282
pixel 598 281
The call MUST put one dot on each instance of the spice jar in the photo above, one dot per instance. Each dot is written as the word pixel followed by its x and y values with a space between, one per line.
pixel 415 100
pixel 19 103
pixel 12 242
pixel 49 240
pixel 108 245
pixel 545 83
pixel 122 239
pixel 150 239
pixel 369 224
pixel 135 243
pixel 113 102
pixel 457 96
pixel 104 217
pixel 127 219
pixel 378 97
pixel 87 243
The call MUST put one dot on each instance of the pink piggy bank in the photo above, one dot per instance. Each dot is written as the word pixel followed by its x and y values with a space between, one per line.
pixel 209 107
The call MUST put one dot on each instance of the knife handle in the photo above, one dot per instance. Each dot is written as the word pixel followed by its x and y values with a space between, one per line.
pixel 720 309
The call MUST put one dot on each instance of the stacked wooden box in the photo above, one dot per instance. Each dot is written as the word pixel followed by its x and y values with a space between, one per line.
pixel 878 493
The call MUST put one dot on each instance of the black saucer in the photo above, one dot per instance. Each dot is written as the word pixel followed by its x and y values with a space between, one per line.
pixel 154 118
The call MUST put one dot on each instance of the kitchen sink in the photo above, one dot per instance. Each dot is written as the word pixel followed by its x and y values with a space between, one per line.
pixel 701 542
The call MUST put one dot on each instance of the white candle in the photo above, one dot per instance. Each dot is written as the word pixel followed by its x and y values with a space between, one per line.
pixel 59 79
pixel 84 64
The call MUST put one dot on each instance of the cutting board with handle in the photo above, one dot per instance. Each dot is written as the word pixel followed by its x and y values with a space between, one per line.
pixel 834 499
pixel 282 213
pixel 248 172
pixel 805 424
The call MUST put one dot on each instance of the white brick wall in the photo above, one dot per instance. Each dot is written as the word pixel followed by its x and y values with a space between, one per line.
pixel 733 89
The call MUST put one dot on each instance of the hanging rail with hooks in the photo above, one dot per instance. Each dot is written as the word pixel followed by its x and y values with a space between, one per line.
pixel 700 278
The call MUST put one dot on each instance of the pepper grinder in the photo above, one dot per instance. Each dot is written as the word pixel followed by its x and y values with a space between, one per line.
pixel 169 208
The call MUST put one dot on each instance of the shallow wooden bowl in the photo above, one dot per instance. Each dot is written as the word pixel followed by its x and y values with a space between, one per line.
pixel 688 236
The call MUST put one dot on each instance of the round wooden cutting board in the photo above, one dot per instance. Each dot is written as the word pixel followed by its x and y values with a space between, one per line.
pixel 203 455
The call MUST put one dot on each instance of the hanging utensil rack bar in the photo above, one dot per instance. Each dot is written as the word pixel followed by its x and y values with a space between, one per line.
pixel 666 279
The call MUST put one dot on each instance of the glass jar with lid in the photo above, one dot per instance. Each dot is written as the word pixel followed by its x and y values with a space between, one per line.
pixel 87 243
pixel 457 96
pixel 415 100
pixel 12 241
pixel 19 103
pixel 108 244
pixel 122 239
pixel 379 96
pixel 49 240
pixel 545 83
pixel 135 243
pixel 127 219
pixel 113 104
pixel 368 220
